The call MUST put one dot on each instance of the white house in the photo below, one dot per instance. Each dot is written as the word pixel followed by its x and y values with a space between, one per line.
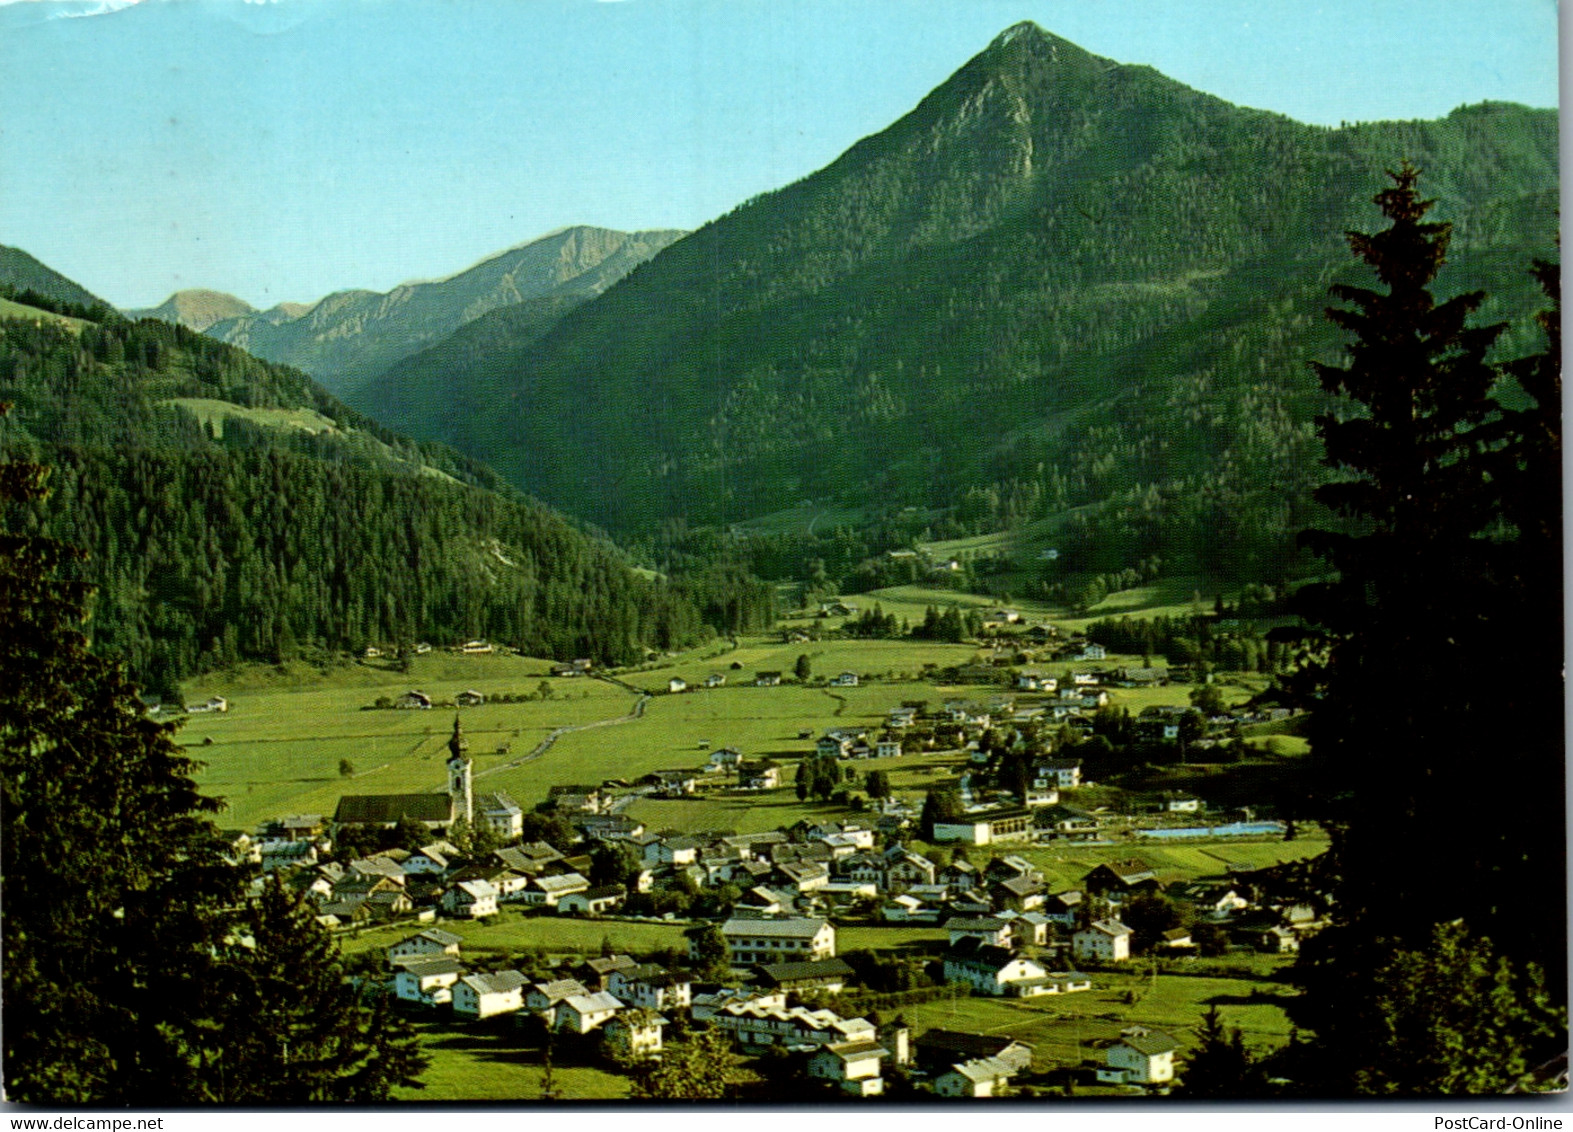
pixel 544 998
pixel 985 929
pixel 650 986
pixel 427 981
pixel 978 1077
pixel 549 890
pixel 487 995
pixel 853 1066
pixel 1140 1057
pixel 471 899
pixel 994 970
pixel 582 1013
pixel 640 1030
pixel 1106 941
pixel 845 680
pixel 1062 773
pixel 776 941
pixel 593 901
pixel 677 684
pixel 432 942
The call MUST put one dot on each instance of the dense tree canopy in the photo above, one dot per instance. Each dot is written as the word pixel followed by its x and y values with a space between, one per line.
pixel 234 511
pixel 134 970
pixel 1448 577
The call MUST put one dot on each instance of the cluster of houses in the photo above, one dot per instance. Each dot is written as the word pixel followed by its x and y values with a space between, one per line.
pixel 631 1004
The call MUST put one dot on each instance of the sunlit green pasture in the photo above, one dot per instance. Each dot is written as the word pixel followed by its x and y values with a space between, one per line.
pixel 868 659
pixel 1065 1029
pixel 512 930
pixel 1065 865
pixel 278 749
pixel 495 1062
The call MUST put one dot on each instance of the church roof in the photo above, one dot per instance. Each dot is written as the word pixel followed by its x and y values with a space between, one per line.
pixel 356 809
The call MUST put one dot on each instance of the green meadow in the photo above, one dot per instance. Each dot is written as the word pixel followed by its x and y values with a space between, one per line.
pixel 279 748
pixel 494 1061
pixel 512 929
pixel 1066 1029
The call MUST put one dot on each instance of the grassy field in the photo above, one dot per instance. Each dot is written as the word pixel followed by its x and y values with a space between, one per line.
pixel 213 413
pixel 513 930
pixel 494 1062
pixel 1065 1029
pixel 277 750
pixel 1064 866
pixel 12 309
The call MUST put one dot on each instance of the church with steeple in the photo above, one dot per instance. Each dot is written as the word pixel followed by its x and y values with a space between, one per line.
pixel 437 811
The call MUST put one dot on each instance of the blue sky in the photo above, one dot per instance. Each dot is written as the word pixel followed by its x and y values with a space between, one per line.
pixel 283 150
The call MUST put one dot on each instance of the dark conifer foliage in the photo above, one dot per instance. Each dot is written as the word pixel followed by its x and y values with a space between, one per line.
pixel 232 510
pixel 1440 654
pixel 133 973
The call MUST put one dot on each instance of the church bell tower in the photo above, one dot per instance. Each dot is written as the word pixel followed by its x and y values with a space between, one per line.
pixel 461 788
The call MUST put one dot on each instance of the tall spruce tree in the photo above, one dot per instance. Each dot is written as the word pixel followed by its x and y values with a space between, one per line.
pixel 1416 632
pixel 135 972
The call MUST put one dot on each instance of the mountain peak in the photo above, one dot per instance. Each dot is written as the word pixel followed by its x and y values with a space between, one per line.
pixel 1017 31
pixel 1028 40
pixel 197 308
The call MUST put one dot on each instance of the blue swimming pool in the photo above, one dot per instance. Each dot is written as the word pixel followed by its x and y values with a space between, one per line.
pixel 1233 829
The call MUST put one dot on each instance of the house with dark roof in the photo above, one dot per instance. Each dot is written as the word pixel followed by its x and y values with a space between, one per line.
pixel 813 974
pixel 994 970
pixel 651 986
pixel 595 972
pixel 937 1049
pixel 986 929
pixel 1116 880
pixel 1140 1057
pixel 428 982
pixel 435 811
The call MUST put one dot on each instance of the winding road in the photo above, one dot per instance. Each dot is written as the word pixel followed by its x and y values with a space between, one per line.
pixel 636 712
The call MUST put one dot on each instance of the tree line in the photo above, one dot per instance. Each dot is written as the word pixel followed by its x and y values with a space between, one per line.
pixel 213 540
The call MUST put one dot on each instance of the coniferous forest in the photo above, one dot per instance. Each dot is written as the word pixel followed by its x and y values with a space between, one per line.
pixel 232 510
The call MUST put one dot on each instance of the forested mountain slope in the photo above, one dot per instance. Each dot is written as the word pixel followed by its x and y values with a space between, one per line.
pixel 232 509
pixel 19 271
pixel 1059 286
pixel 349 335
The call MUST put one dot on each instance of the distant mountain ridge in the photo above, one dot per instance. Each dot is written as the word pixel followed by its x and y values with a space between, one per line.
pixel 197 309
pixel 21 271
pixel 233 510
pixel 1058 282
pixel 349 335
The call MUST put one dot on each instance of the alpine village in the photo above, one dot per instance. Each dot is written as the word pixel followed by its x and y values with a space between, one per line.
pixel 1088 627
